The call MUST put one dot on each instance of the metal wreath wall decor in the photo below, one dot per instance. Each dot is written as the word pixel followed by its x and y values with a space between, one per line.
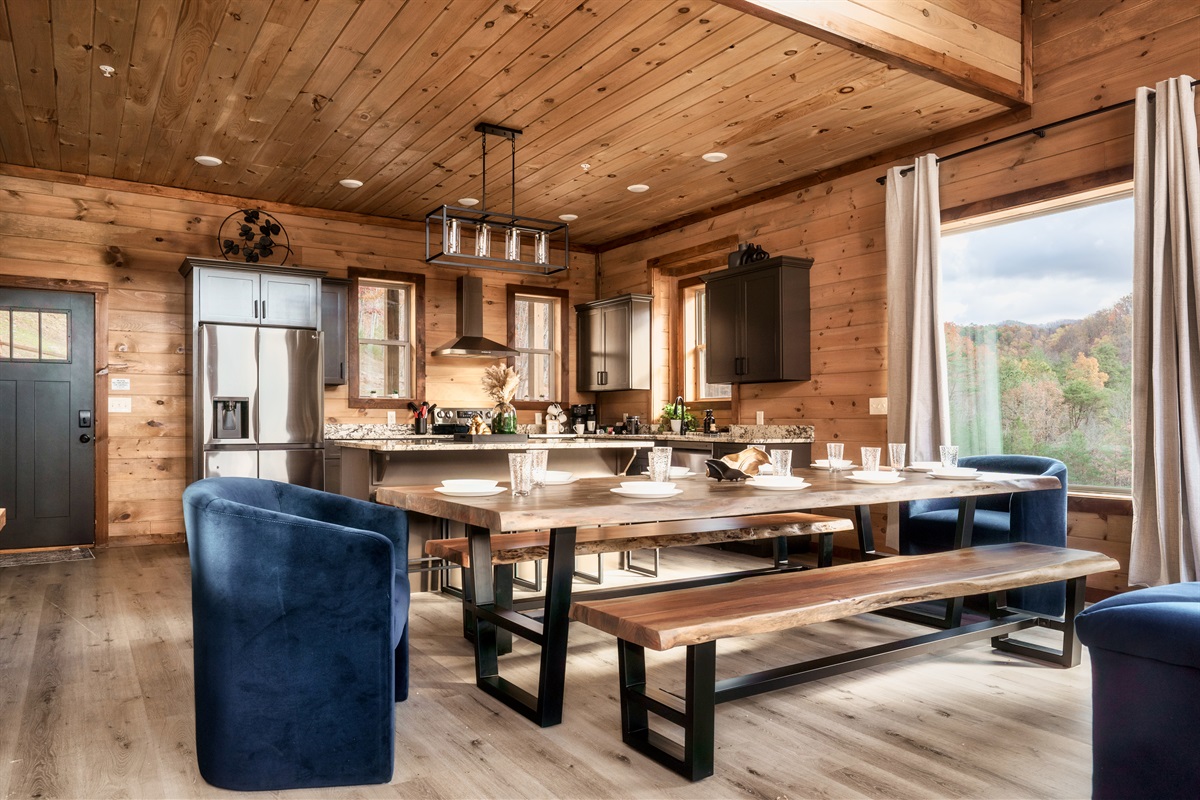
pixel 256 237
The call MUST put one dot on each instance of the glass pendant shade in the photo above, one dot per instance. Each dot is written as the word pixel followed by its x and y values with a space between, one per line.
pixel 483 240
pixel 541 247
pixel 512 244
pixel 453 237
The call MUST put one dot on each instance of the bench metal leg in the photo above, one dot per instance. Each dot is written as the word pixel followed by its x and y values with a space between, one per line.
pixel 598 578
pixel 628 565
pixel 697 718
pixel 824 550
pixel 1071 652
pixel 534 585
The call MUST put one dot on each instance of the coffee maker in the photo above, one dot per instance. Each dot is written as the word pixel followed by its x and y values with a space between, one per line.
pixel 584 414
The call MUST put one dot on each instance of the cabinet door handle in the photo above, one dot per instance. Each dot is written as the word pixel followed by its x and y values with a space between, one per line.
pixel 264 309
pixel 342 370
pixel 256 309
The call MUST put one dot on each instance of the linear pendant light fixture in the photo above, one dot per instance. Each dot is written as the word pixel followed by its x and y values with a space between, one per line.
pixel 486 239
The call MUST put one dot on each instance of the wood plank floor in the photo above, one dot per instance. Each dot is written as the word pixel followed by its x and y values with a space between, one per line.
pixel 96 702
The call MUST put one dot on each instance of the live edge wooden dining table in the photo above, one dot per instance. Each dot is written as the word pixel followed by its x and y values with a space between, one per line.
pixel 588 502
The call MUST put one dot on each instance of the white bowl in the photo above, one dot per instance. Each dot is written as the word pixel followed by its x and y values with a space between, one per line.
pixel 558 476
pixel 650 487
pixel 679 472
pixel 954 471
pixel 469 485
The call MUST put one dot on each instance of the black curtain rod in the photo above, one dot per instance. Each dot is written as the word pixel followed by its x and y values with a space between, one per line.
pixel 1039 131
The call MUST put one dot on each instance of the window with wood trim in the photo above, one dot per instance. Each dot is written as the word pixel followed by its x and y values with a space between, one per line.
pixel 693 302
pixel 537 329
pixel 387 350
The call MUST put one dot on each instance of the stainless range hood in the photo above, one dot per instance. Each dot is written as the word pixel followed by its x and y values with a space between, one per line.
pixel 470 342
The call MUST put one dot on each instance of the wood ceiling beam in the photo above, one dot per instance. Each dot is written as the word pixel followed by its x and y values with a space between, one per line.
pixel 955 50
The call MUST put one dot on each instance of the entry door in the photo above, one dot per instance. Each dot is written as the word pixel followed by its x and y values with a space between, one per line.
pixel 47 464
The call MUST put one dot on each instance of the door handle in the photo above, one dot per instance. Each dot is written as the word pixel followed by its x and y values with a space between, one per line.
pixel 256 309
pixel 342 370
pixel 84 438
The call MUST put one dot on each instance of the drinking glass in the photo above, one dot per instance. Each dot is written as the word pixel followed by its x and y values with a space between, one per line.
pixel 834 451
pixel 538 470
pixel 870 459
pixel 520 473
pixel 660 464
pixel 949 454
pixel 781 462
pixel 896 455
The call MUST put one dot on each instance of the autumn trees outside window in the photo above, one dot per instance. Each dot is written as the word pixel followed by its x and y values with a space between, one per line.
pixel 1037 308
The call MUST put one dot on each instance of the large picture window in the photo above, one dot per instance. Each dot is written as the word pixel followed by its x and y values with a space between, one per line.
pixel 537 329
pixel 1037 309
pixel 695 343
pixel 387 351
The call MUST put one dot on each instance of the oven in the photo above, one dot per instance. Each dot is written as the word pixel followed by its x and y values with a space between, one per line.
pixel 456 420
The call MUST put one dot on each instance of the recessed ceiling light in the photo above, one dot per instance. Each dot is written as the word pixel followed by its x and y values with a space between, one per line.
pixel 350 183
pixel 208 161
pixel 568 217
pixel 467 201
pixel 714 157
pixel 107 71
pixel 638 187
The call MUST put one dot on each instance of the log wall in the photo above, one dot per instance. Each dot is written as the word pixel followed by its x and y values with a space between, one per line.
pixel 134 237
pixel 1087 54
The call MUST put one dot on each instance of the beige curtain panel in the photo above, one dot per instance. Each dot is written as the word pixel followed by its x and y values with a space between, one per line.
pixel 1166 337
pixel 918 398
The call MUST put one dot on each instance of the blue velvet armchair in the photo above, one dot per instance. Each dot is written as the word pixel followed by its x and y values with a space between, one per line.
pixel 1145 653
pixel 927 526
pixel 299 611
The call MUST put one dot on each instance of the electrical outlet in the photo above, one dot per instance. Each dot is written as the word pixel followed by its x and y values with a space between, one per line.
pixel 391 418
pixel 758 418
pixel 878 405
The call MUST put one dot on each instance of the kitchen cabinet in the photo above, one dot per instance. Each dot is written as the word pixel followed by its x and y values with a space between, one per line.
pixel 256 297
pixel 334 299
pixel 613 339
pixel 758 322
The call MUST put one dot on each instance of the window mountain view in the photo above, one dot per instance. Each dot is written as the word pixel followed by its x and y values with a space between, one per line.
pixel 1039 338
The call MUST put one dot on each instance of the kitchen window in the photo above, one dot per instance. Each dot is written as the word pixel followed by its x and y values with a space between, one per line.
pixel 387 353
pixel 537 329
pixel 694 298
pixel 1037 307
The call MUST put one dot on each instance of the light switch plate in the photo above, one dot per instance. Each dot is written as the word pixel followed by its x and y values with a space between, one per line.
pixel 391 418
pixel 878 405
pixel 120 405
pixel 758 418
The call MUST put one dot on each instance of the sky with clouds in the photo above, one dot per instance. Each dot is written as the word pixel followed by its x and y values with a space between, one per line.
pixel 1055 266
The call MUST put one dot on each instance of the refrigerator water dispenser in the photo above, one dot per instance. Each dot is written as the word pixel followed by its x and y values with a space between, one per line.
pixel 230 417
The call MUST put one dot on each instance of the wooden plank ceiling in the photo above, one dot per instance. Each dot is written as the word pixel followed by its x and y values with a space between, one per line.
pixel 294 95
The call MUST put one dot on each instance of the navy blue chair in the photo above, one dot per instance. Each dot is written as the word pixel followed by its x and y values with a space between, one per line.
pixel 299 612
pixel 1145 653
pixel 927 526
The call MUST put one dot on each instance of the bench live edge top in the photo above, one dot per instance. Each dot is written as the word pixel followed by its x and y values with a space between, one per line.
pixel 767 603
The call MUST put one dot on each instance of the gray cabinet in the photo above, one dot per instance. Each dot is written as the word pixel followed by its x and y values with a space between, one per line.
pixel 613 338
pixel 758 322
pixel 254 297
pixel 334 299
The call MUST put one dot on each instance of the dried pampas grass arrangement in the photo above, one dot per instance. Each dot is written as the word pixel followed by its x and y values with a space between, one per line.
pixel 500 383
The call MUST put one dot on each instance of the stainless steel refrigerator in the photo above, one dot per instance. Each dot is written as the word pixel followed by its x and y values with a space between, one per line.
pixel 261 398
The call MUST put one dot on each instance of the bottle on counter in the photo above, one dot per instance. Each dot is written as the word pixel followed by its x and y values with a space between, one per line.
pixel 710 423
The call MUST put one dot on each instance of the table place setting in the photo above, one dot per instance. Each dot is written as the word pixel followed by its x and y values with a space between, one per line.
pixel 646 489
pixel 955 473
pixel 556 477
pixel 469 488
pixel 777 483
pixel 923 466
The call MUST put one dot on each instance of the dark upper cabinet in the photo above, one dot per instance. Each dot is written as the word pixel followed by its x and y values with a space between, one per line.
pixel 758 322
pixel 613 339
pixel 334 300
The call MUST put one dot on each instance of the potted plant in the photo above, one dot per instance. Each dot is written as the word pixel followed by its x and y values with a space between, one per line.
pixel 676 418
pixel 500 383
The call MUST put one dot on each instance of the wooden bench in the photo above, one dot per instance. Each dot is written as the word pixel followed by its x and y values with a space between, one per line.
pixel 697 617
pixel 515 548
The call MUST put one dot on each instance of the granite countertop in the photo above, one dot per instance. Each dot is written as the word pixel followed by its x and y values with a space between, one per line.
pixel 401 437
pixel 447 444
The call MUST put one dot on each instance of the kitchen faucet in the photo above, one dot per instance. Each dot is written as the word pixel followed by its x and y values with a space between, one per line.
pixel 678 411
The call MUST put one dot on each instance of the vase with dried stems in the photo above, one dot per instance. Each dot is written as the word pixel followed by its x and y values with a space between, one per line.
pixel 500 384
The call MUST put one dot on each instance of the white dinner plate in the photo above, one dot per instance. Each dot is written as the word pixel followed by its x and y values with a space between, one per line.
pixel 676 475
pixel 456 493
pixel 778 487
pixel 645 495
pixel 571 479
pixel 976 476
pixel 825 465
pixel 875 482
pixel 923 466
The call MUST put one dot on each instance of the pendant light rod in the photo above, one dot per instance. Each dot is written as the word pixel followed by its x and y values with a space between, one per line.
pixel 508 133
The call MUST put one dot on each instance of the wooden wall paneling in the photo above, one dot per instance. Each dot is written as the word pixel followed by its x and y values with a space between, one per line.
pixel 32 42
pixel 72 38
pixel 112 34
pixel 14 138
pixel 1087 30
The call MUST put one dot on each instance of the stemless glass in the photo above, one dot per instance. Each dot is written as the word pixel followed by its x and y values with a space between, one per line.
pixel 520 472
pixel 949 453
pixel 660 464
pixel 781 462
pixel 896 455
pixel 834 451
pixel 538 470
pixel 870 459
